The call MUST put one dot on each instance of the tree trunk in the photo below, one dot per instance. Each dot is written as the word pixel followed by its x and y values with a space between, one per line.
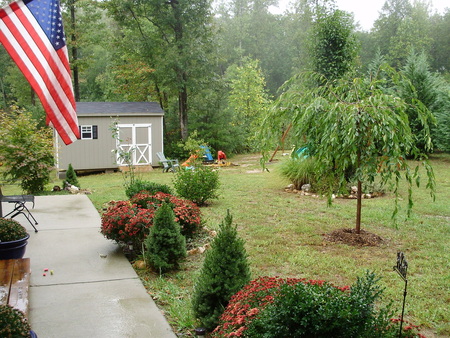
pixel 358 208
pixel 182 113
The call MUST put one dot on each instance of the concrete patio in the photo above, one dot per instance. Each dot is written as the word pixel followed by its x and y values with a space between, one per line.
pixel 90 289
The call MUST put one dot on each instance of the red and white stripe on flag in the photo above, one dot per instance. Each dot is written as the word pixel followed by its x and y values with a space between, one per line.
pixel 45 67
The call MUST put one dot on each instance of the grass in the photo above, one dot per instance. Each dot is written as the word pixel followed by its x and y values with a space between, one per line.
pixel 284 237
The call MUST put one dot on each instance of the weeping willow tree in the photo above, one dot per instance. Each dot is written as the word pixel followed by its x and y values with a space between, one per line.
pixel 352 124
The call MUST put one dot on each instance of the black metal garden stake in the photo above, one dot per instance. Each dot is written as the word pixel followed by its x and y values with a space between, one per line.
pixel 402 269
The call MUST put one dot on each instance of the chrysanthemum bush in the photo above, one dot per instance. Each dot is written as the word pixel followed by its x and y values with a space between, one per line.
pixel 187 213
pixel 130 221
pixel 125 222
pixel 276 307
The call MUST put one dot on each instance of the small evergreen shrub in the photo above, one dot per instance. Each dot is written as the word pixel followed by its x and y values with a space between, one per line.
pixel 225 271
pixel 150 188
pixel 165 246
pixel 198 185
pixel 71 177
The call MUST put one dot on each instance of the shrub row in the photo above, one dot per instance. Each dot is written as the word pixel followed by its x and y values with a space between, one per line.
pixel 130 221
pixel 276 307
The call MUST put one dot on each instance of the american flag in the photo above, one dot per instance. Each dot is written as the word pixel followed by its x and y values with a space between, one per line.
pixel 32 33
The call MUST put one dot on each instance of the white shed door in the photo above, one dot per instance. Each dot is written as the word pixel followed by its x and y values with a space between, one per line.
pixel 135 139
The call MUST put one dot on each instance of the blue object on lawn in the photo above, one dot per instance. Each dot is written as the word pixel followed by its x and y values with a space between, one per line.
pixel 207 156
pixel 300 153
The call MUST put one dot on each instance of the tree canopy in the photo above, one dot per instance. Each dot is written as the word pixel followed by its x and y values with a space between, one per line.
pixel 354 124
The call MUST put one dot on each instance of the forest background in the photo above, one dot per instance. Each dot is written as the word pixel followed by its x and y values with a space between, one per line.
pixel 216 67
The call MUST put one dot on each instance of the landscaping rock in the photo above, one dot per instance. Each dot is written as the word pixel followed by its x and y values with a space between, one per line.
pixel 306 187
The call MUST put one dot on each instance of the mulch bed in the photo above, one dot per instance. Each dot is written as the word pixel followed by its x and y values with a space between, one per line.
pixel 350 237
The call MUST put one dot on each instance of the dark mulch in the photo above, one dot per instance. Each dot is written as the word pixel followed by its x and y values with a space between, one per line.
pixel 350 237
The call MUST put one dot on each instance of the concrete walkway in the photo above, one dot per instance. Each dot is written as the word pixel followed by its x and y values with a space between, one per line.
pixel 93 291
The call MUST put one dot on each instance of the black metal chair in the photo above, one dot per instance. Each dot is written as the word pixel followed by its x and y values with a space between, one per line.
pixel 20 207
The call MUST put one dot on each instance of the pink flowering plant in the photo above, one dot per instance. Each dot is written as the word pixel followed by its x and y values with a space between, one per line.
pixel 276 307
pixel 187 213
pixel 130 221
pixel 124 222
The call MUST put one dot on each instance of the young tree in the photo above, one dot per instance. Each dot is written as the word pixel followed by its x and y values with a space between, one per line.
pixel 421 89
pixel 353 123
pixel 71 177
pixel 165 245
pixel 225 271
pixel 25 150
pixel 333 45
pixel 247 99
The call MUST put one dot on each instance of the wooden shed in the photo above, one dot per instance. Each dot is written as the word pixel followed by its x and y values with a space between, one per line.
pixel 140 129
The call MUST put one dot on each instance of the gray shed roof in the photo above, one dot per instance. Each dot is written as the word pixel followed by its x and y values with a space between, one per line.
pixel 119 108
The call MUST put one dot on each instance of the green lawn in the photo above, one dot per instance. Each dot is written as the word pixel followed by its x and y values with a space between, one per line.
pixel 284 237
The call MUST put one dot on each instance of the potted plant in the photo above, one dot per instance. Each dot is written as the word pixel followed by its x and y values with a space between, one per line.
pixel 13 323
pixel 13 239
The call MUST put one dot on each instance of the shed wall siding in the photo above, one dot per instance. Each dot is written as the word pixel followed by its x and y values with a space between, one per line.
pixel 99 153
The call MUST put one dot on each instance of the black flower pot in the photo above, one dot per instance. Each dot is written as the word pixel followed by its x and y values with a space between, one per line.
pixel 13 249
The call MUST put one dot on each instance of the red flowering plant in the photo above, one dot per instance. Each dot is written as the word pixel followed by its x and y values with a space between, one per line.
pixel 245 305
pixel 409 330
pixel 271 306
pixel 124 222
pixel 187 213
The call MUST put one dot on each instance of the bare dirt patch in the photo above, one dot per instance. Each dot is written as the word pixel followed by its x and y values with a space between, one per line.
pixel 350 237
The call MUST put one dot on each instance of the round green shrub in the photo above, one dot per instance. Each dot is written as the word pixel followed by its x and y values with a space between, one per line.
pixel 11 230
pixel 198 185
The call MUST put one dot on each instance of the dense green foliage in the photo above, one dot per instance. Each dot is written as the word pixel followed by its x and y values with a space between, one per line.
pixel 248 101
pixel 13 323
pixel 291 307
pixel 333 45
pixel 150 188
pixel 183 49
pixel 322 310
pixel 346 123
pixel 26 151
pixel 423 89
pixel 11 230
pixel 71 177
pixel 225 270
pixel 165 246
pixel 198 185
